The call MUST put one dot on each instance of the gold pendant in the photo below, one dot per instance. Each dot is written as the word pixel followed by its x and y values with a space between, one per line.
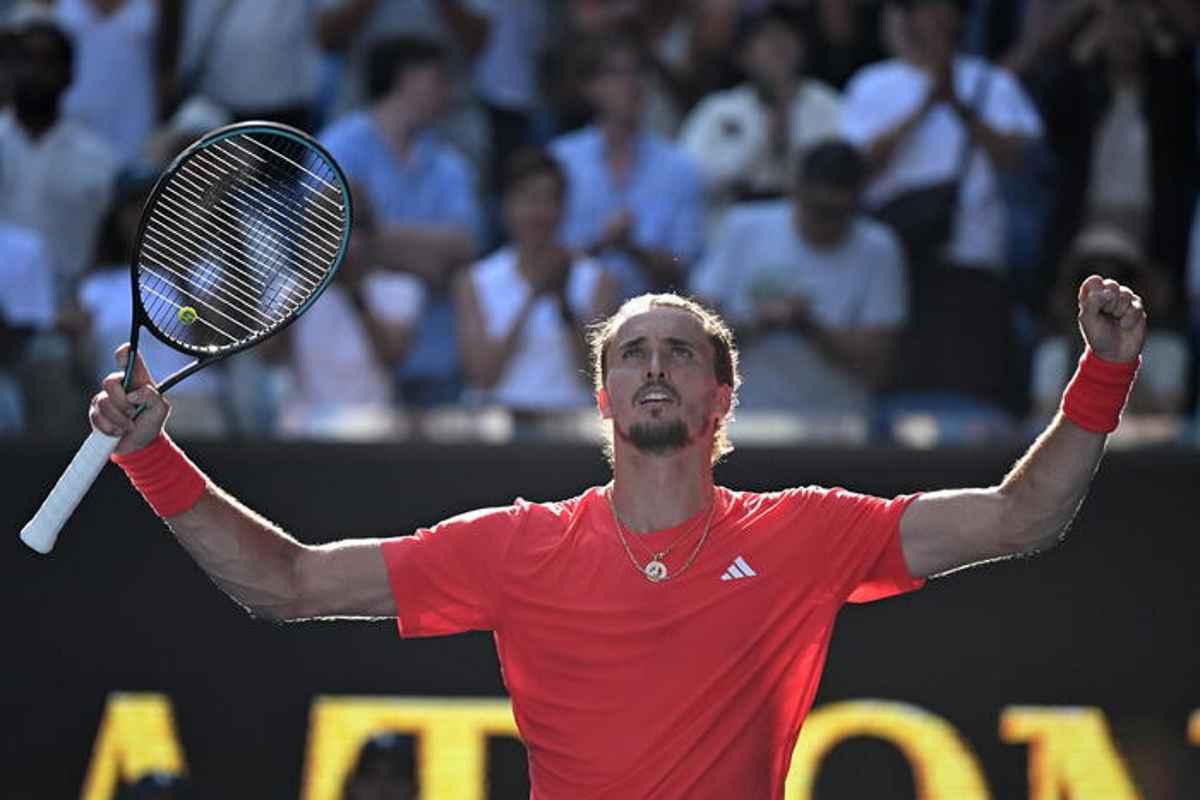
pixel 656 571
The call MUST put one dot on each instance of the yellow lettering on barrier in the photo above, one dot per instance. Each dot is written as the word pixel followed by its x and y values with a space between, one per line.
pixel 942 763
pixel 1071 753
pixel 137 735
pixel 451 741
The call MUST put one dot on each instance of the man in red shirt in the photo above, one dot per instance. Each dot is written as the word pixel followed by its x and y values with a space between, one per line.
pixel 661 637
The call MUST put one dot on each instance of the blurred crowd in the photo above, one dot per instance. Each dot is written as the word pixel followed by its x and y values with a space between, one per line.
pixel 893 201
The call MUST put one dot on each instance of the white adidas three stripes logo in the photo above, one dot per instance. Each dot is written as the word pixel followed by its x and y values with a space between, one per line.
pixel 737 570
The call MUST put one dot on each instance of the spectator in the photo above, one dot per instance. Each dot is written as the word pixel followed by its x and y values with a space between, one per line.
pixel 199 410
pixel 26 307
pixel 748 140
pixel 505 42
pixel 523 310
pixel 634 199
pixel 1120 105
pixel 349 29
pixel 920 116
pixel 56 179
pixel 340 354
pixel 588 21
pixel 423 193
pixel 56 176
pixel 844 36
pixel 385 770
pixel 819 291
pixel 117 43
pixel 257 58
pixel 1162 382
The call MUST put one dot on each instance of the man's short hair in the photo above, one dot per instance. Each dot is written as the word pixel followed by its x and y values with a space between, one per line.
pixel 592 52
pixel 720 335
pixel 751 23
pixel 833 162
pixel 49 30
pixel 527 162
pixel 389 58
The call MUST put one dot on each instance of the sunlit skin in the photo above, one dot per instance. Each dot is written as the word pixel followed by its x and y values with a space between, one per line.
pixel 660 374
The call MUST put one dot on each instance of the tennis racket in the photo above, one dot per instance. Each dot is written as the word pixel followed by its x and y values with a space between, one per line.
pixel 240 235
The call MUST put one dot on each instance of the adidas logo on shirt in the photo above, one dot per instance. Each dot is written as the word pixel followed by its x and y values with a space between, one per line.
pixel 737 570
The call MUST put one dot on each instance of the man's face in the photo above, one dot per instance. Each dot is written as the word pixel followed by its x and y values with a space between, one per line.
pixel 825 213
pixel 772 53
pixel 533 208
pixel 661 392
pixel 934 26
pixel 425 89
pixel 41 73
pixel 617 90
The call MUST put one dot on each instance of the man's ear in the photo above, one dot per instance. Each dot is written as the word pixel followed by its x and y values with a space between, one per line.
pixel 724 400
pixel 603 404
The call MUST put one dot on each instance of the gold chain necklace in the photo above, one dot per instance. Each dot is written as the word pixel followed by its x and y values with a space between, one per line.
pixel 655 570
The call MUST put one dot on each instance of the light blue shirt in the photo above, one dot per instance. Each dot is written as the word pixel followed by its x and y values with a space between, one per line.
pixel 434 185
pixel 663 193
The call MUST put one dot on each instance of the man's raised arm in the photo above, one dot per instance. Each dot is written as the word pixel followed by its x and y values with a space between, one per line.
pixel 1034 505
pixel 265 570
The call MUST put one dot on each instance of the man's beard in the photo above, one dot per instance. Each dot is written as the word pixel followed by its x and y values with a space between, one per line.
pixel 658 438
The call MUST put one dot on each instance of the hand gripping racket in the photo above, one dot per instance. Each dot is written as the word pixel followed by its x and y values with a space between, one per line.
pixel 240 235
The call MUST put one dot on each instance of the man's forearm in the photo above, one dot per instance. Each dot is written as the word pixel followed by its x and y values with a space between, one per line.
pixel 250 559
pixel 1047 486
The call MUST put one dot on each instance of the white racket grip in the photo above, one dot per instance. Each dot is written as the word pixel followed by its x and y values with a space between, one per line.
pixel 41 532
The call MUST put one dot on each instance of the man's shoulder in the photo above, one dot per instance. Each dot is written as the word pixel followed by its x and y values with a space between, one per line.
pixel 877 237
pixel 882 75
pixel 85 145
pixel 354 126
pixel 576 145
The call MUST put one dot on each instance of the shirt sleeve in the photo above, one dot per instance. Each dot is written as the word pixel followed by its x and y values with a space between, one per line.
pixel 445 579
pixel 1009 108
pixel 864 554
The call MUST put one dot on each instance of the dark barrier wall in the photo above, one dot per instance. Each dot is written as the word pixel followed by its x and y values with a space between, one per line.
pixel 1109 619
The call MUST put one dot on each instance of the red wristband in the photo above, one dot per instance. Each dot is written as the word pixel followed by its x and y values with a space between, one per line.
pixel 170 482
pixel 1096 396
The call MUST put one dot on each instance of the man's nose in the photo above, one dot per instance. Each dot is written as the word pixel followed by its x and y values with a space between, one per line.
pixel 654 368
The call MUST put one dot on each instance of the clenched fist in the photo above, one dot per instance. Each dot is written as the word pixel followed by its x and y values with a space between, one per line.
pixel 1112 319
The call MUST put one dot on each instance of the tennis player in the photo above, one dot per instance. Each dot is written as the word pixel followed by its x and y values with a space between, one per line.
pixel 661 636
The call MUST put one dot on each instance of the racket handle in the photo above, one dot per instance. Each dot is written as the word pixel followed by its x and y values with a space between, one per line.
pixel 41 532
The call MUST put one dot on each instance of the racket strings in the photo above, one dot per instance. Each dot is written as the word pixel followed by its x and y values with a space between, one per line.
pixel 235 215
pixel 270 204
pixel 243 234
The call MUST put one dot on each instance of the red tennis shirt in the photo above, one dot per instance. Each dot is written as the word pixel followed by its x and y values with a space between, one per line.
pixel 694 687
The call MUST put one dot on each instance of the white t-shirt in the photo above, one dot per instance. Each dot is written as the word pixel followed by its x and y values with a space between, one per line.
pixel 59 185
pixel 333 363
pixel 113 50
pixel 263 53
pixel 759 254
pixel 26 285
pixel 543 373
pixel 728 135
pixel 880 96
